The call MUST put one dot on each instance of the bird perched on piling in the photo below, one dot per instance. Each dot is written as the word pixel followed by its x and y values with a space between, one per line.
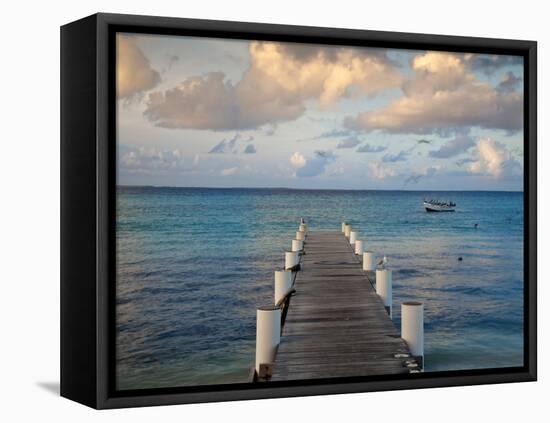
pixel 302 221
pixel 382 263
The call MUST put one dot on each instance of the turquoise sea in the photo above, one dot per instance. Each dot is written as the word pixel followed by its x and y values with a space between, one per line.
pixel 194 263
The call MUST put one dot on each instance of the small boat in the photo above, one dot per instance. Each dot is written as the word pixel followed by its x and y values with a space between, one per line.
pixel 439 206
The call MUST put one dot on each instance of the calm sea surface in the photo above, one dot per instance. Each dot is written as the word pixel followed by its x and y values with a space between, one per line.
pixel 193 265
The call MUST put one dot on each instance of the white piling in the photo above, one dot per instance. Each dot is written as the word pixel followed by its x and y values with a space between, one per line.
pixel 297 245
pixel 369 261
pixel 300 235
pixel 352 237
pixel 347 230
pixel 344 227
pixel 412 327
pixel 384 288
pixel 268 334
pixel 291 259
pixel 283 284
pixel 302 227
pixel 359 247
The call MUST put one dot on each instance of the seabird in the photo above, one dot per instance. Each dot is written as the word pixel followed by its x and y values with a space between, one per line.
pixel 383 262
pixel 302 221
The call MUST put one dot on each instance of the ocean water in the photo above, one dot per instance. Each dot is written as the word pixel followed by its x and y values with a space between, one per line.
pixel 193 264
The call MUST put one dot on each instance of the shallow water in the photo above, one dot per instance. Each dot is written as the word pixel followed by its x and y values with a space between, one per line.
pixel 193 264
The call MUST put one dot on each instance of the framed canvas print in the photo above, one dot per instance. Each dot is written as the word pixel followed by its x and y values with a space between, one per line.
pixel 255 211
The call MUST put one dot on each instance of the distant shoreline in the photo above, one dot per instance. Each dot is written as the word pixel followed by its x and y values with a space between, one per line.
pixel 311 189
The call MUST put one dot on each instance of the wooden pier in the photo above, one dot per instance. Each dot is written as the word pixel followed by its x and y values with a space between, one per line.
pixel 335 325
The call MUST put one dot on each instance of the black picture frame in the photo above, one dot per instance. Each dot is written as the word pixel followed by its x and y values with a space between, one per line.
pixel 88 159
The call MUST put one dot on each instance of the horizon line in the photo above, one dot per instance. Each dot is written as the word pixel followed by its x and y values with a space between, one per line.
pixel 314 189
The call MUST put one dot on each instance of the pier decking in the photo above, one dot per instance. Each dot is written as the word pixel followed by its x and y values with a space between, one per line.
pixel 336 325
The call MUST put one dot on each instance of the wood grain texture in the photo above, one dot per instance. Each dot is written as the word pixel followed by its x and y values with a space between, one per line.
pixel 336 325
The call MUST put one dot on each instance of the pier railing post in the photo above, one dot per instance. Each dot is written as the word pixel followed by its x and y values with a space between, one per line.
pixel 384 288
pixel 292 259
pixel 347 230
pixel 302 227
pixel 369 261
pixel 344 227
pixel 297 245
pixel 268 337
pixel 412 327
pixel 283 284
pixel 359 247
pixel 300 235
pixel 352 237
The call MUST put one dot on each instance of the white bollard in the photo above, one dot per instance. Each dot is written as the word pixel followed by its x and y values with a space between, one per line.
pixel 283 284
pixel 347 230
pixel 384 288
pixel 369 261
pixel 297 245
pixel 359 247
pixel 344 227
pixel 291 259
pixel 302 227
pixel 300 235
pixel 268 334
pixel 412 327
pixel 352 237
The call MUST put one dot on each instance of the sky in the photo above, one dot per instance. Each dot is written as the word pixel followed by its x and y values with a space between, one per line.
pixel 206 112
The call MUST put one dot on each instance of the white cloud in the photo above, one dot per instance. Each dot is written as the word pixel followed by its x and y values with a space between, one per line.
pixel 311 166
pixel 298 160
pixel 134 74
pixel 493 158
pixel 443 93
pixel 229 171
pixel 377 170
pixel 280 79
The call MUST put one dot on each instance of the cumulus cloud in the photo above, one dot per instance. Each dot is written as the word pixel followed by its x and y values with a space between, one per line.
pixel 298 160
pixel 311 166
pixel 458 145
pixel 378 170
pixel 493 158
pixel 280 79
pixel 326 73
pixel 443 94
pixel 134 74
pixel 367 148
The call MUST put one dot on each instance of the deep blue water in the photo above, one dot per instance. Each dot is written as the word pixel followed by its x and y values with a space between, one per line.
pixel 193 264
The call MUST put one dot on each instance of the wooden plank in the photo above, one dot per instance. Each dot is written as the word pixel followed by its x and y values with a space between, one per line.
pixel 336 325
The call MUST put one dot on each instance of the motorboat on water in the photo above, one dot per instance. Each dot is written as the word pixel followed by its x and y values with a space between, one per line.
pixel 439 206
